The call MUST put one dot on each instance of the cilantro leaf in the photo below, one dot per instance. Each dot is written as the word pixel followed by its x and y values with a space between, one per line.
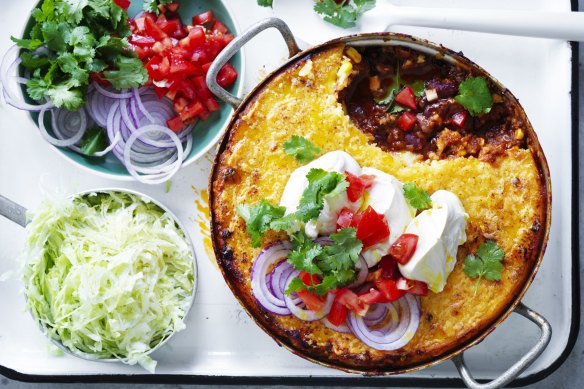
pixel 304 253
pixel 68 64
pixel 258 218
pixel 474 95
pixel 286 223
pixel 418 198
pixel 93 141
pixel 73 9
pixel 301 148
pixel 265 3
pixel 418 87
pixel 130 73
pixel 485 263
pixel 152 5
pixel 320 184
pixel 29 44
pixel 342 255
pixel 32 61
pixel 295 285
pixel 344 14
pixel 64 95
pixel 56 35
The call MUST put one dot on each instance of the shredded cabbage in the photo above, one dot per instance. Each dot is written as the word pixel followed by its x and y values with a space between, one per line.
pixel 108 275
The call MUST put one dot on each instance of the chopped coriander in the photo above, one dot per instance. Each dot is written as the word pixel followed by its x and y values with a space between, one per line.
pixel 417 197
pixel 258 218
pixel 342 255
pixel 419 88
pixel 320 185
pixel 301 148
pixel 152 5
pixel 474 95
pixel 485 263
pixel 343 14
pixel 81 37
pixel 265 3
pixel 392 90
pixel 304 253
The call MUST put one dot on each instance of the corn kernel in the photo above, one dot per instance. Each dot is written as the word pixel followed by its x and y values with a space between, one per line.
pixel 353 54
pixel 519 134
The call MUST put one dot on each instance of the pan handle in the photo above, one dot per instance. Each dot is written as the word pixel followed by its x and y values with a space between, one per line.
pixel 12 211
pixel 236 44
pixel 519 366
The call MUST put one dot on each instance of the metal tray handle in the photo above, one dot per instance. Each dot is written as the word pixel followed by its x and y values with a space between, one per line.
pixel 12 211
pixel 236 44
pixel 525 361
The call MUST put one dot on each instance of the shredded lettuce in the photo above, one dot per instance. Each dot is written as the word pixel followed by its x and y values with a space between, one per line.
pixel 108 275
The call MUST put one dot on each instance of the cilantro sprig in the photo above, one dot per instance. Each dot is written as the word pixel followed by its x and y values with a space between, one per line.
pixel 343 14
pixel 474 95
pixel 265 3
pixel 301 148
pixel 152 5
pixel 486 263
pixel 335 263
pixel 258 218
pixel 321 184
pixel 80 38
pixel 417 197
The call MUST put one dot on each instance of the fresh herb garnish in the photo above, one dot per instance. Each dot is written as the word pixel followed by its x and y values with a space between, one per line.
pixel 392 90
pixel 265 3
pixel 320 185
pixel 93 141
pixel 335 263
pixel 418 87
pixel 474 95
pixel 485 263
pixel 343 14
pixel 152 5
pixel 417 197
pixel 258 218
pixel 80 37
pixel 301 148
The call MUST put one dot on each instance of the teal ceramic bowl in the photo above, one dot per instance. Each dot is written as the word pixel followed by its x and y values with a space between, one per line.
pixel 205 134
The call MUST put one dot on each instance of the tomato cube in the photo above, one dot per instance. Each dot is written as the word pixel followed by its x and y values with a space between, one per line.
pixel 151 29
pixel 227 75
pixel 192 109
pixel 203 18
pixel 195 38
pixel 219 27
pixel 211 104
pixel 175 124
pixel 406 98
pixel 406 121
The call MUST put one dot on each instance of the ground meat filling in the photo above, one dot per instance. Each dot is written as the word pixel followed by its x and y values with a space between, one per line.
pixel 435 134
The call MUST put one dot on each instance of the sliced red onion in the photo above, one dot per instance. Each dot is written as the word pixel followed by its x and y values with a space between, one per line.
pixel 392 337
pixel 63 142
pixel 343 328
pixel 269 256
pixel 112 95
pixel 363 272
pixel 307 314
pixel 375 314
pixel 165 171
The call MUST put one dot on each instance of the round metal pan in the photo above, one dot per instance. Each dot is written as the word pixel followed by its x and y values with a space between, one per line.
pixel 515 305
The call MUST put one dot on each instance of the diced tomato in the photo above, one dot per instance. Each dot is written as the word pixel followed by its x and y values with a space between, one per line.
pixel 372 297
pixel 160 92
pixel 406 98
pixel 172 27
pixel 219 27
pixel 203 18
pixel 194 108
pixel 459 118
pixel 171 94
pixel 203 93
pixel 123 4
pixel 180 103
pixel 158 48
pixel 309 279
pixel 142 52
pixel 180 67
pixel 175 124
pixel 226 76
pixel 211 104
pixel 312 301
pixel 338 313
pixel 358 185
pixel 345 217
pixel 406 121
pixel 186 87
pixel 172 7
pixel 141 21
pixel 349 299
pixel 227 38
pixel 404 248
pixel 206 67
pixel 152 29
pixel 204 115
pixel 142 41
pixel 195 38
pixel 389 289
pixel 201 55
pixel 389 269
pixel 418 288
pixel 153 68
pixel 180 53
pixel 371 227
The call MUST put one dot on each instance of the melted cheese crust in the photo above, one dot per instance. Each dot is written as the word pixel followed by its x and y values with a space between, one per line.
pixel 506 201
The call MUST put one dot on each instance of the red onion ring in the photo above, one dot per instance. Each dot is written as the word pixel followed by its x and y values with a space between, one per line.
pixel 63 142
pixel 269 256
pixel 362 275
pixel 343 328
pixel 112 95
pixel 392 337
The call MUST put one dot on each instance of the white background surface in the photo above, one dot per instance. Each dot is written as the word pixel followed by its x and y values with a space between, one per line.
pixel 220 338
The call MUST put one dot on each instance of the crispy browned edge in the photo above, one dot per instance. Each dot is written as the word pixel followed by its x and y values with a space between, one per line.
pixel 293 342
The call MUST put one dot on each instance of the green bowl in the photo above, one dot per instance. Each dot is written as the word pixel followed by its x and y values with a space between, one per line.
pixel 205 134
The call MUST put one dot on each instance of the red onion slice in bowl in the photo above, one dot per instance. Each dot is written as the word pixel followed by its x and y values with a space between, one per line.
pixel 63 142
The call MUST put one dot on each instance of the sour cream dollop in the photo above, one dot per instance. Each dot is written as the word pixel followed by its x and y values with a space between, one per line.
pixel 440 231
pixel 334 161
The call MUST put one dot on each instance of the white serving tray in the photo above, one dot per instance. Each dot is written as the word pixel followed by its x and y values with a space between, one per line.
pixel 221 343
